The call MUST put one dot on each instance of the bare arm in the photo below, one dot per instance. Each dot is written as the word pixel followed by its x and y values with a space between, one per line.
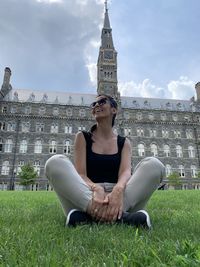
pixel 125 167
pixel 80 158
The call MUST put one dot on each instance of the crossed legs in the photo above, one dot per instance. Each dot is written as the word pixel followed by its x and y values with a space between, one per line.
pixel 74 193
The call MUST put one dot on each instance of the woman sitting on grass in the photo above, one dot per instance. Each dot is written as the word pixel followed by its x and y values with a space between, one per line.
pixel 100 187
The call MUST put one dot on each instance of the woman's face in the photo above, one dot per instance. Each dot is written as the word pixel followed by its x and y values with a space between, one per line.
pixel 102 108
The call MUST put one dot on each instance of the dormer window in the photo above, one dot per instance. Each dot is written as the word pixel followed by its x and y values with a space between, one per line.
pixel 179 106
pixel 168 105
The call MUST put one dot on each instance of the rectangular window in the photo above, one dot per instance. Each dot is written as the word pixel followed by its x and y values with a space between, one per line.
pixel 39 127
pixel 127 131
pixel 25 127
pixel 140 132
pixel 11 127
pixel 68 129
pixel 152 133
pixel 81 128
pixel 54 128
pixel 165 133
pixel 177 134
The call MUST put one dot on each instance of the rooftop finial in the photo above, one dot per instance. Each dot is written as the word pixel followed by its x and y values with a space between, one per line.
pixel 106 5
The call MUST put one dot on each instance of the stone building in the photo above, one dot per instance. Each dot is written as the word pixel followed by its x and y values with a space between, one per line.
pixel 34 125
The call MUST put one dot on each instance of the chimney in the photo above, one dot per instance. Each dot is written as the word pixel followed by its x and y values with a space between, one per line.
pixel 197 87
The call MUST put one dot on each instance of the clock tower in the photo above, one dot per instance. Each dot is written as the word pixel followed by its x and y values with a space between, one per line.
pixel 107 61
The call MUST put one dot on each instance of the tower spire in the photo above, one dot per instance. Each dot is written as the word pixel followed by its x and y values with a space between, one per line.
pixel 106 5
pixel 106 18
pixel 107 60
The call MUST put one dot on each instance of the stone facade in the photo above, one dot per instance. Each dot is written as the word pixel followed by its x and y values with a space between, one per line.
pixel 35 125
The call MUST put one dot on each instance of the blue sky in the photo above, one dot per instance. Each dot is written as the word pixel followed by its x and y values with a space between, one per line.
pixel 52 45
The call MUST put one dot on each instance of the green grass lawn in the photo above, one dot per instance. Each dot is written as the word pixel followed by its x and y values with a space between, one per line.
pixel 32 233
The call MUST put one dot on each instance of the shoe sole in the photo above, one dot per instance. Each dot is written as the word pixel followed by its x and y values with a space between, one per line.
pixel 68 216
pixel 148 218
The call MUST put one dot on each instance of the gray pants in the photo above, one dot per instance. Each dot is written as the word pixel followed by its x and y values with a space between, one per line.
pixel 74 193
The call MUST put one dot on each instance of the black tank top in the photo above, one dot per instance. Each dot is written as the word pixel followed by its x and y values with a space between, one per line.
pixel 102 168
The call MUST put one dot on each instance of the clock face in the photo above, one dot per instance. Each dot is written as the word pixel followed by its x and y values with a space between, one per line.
pixel 108 54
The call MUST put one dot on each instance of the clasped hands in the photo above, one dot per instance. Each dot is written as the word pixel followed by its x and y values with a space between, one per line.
pixel 106 207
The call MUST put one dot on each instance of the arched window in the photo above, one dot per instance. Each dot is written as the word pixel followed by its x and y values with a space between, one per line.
pixel 168 169
pixel 67 147
pixel 193 169
pixel 8 145
pixel 36 166
pixel 181 170
pixel 154 150
pixel 53 147
pixel 2 126
pixel 5 168
pixel 191 152
pixel 179 151
pixel 141 150
pixel 38 147
pixel 20 165
pixel 166 149
pixel 23 146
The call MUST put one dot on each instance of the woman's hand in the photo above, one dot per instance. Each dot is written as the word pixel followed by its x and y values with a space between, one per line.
pixel 114 201
pixel 98 200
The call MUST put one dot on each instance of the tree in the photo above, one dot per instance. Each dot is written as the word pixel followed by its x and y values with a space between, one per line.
pixel 27 175
pixel 174 179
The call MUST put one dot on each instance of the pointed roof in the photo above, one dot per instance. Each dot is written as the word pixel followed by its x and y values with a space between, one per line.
pixel 106 17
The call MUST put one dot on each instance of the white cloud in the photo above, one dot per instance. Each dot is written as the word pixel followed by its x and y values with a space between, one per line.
pixel 50 1
pixel 144 89
pixel 92 69
pixel 183 88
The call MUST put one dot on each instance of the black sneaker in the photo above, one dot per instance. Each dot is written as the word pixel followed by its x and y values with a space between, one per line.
pixel 76 217
pixel 139 219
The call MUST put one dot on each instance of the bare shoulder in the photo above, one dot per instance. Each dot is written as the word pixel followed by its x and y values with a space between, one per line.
pixel 127 143
pixel 79 138
pixel 127 146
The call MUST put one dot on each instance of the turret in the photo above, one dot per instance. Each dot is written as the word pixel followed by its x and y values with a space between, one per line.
pixel 6 86
pixel 197 87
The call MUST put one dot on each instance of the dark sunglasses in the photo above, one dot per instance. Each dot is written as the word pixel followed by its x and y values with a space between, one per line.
pixel 100 102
